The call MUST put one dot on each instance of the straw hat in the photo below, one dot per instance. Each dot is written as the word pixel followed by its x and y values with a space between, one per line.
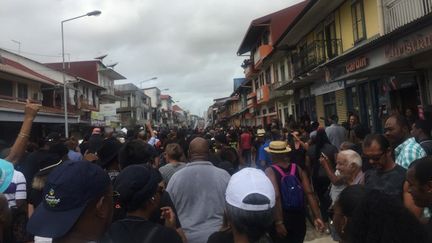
pixel 260 132
pixel 278 147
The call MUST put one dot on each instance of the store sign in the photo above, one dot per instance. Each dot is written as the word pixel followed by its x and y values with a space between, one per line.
pixel 324 88
pixel 108 109
pixel 357 64
pixel 409 45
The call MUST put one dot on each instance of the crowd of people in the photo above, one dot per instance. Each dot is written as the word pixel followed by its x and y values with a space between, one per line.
pixel 221 184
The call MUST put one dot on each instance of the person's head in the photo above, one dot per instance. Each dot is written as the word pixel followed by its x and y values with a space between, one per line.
pixel 250 199
pixel 77 203
pixel 279 151
pixel 136 152
pixel 419 178
pixel 220 141
pixel 108 153
pixel 173 152
pixel 396 129
pixel 137 188
pixel 198 149
pixel 383 218
pixel 334 119
pixel 71 143
pixel 349 163
pixel 344 208
pixel 421 128
pixel 353 120
pixel 377 150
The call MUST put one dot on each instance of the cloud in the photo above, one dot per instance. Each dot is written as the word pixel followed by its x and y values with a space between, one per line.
pixel 190 45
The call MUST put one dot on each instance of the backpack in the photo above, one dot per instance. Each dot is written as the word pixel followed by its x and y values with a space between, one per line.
pixel 291 190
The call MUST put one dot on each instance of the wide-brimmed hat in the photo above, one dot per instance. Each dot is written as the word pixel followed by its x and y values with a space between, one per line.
pixel 261 132
pixel 278 147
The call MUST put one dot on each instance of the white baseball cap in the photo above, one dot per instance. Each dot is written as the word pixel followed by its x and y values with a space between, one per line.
pixel 246 182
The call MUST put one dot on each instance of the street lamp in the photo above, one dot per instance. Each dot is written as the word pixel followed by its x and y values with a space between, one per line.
pixel 65 92
pixel 150 79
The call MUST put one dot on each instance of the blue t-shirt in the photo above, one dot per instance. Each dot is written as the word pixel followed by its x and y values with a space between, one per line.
pixel 263 155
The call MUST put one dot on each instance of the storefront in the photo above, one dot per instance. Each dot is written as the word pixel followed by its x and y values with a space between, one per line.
pixel 329 100
pixel 388 75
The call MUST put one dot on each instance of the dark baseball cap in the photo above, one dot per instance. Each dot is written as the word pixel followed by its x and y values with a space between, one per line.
pixel 68 190
pixel 136 184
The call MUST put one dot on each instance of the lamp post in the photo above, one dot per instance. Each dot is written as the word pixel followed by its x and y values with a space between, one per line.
pixel 65 92
pixel 150 79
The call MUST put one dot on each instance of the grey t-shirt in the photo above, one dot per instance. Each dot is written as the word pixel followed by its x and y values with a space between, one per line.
pixel 390 182
pixel 198 193
pixel 168 170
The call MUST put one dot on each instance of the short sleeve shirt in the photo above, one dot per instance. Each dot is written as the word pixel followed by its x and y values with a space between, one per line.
pixel 17 189
pixel 407 152
pixel 390 182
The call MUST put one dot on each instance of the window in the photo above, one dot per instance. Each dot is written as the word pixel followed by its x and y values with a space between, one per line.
pixel 6 88
pixel 276 73
pixel 22 91
pixel 268 76
pixel 358 20
pixel 331 42
pixel 282 72
pixel 329 101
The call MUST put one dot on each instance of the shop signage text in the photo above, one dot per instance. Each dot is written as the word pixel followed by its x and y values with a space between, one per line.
pixel 409 46
pixel 356 64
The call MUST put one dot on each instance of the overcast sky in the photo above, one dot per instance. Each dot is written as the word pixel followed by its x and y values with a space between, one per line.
pixel 190 45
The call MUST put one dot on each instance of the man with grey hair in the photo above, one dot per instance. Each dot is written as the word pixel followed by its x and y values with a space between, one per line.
pixel 348 171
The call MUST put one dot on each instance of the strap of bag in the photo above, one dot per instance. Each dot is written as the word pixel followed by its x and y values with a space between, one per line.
pixel 293 169
pixel 279 170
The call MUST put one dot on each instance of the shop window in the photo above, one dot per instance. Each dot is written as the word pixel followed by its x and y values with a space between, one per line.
pixel 6 88
pixel 358 20
pixel 22 91
pixel 329 101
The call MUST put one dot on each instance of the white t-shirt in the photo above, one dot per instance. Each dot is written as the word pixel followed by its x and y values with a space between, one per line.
pixel 20 191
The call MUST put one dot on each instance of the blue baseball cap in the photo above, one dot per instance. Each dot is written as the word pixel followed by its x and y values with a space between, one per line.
pixel 6 174
pixel 68 190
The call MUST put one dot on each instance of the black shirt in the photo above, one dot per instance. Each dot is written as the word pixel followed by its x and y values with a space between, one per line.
pixel 390 182
pixel 427 146
pixel 138 230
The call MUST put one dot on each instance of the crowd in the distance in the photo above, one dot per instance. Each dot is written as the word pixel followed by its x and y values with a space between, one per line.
pixel 222 184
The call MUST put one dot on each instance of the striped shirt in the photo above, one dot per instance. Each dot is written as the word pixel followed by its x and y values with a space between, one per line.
pixel 407 152
pixel 17 189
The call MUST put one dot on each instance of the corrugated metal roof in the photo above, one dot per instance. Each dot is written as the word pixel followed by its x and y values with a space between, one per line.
pixel 277 22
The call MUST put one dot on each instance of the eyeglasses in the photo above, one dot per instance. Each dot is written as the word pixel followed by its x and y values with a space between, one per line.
pixel 374 158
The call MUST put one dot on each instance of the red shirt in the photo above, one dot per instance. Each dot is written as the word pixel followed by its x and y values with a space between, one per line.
pixel 246 141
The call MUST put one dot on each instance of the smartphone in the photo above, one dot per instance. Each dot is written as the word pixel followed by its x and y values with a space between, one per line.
pixel 324 156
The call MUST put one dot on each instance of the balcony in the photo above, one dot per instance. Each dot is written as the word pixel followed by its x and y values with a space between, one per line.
pixel 315 54
pixel 263 94
pixel 250 71
pixel 401 12
pixel 262 52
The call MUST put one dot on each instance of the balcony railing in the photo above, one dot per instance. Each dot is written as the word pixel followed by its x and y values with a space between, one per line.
pixel 262 52
pixel 400 12
pixel 315 54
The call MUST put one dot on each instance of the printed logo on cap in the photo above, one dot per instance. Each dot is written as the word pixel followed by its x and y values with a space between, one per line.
pixel 51 199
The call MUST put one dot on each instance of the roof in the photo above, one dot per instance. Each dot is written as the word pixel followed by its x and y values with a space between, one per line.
pixel 177 108
pixel 277 22
pixel 165 97
pixel 15 68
